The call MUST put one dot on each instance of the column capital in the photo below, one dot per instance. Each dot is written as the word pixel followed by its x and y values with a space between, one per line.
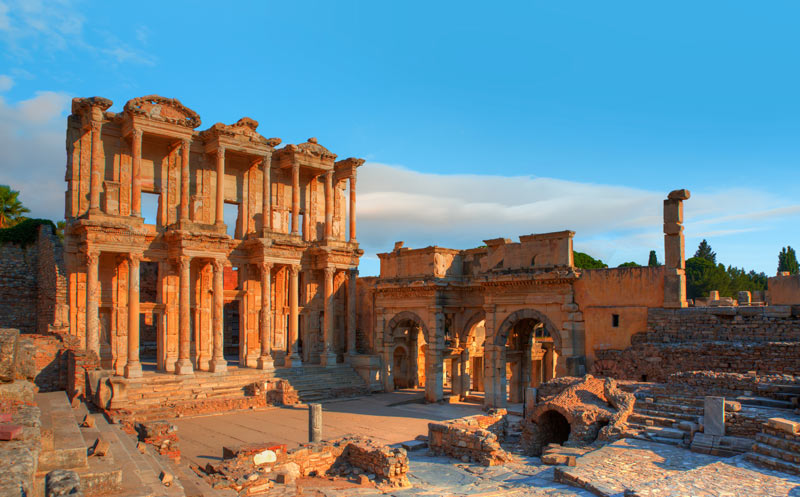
pixel 184 261
pixel 329 271
pixel 95 125
pixel 265 266
pixel 266 159
pixel 133 257
pixel 186 142
pixel 218 264
pixel 294 269
pixel 353 272
pixel 92 255
pixel 137 134
pixel 220 152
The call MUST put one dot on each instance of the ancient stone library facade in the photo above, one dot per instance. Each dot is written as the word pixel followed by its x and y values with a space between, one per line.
pixel 219 258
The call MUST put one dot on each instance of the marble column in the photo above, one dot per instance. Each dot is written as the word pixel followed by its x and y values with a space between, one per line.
pixel 352 298
pixel 353 207
pixel 96 179
pixel 218 363
pixel 266 198
pixel 220 185
pixel 265 360
pixel 434 363
pixel 184 363
pixel 294 319
pixel 92 302
pixel 328 357
pixel 184 208
pixel 328 205
pixel 136 174
pixel 295 199
pixel 133 369
pixel 465 373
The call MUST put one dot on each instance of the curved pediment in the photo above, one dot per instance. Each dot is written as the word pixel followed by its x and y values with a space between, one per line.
pixel 244 129
pixel 313 148
pixel 169 110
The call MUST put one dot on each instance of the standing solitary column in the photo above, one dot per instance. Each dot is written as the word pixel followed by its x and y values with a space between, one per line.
pixel 265 360
pixel 96 180
pixel 218 363
pixel 184 212
pixel 295 199
pixel 266 200
pixel 352 295
pixel 184 363
pixel 294 319
pixel 328 205
pixel 353 207
pixel 314 423
pixel 92 302
pixel 220 184
pixel 134 368
pixel 136 174
pixel 328 358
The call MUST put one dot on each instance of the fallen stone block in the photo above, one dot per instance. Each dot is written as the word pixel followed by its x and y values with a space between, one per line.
pixel 166 478
pixel 101 447
pixel 88 421
pixel 10 431
pixel 784 425
pixel 554 459
pixel 264 457
pixel 413 445
pixel 63 483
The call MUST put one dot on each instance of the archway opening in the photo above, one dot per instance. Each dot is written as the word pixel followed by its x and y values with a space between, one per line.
pixel 554 428
pixel 530 357
pixel 471 363
pixel 408 359
pixel 401 368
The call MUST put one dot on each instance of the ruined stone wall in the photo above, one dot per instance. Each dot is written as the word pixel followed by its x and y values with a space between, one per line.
pixel 722 339
pixel 52 308
pixel 473 438
pixel 784 290
pixel 18 290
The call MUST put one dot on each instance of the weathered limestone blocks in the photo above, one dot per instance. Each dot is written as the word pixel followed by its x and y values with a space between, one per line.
pixel 63 483
pixel 474 438
pixel 674 250
pixel 16 356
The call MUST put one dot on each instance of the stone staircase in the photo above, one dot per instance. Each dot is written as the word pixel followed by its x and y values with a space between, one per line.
pixel 122 472
pixel 777 447
pixel 669 419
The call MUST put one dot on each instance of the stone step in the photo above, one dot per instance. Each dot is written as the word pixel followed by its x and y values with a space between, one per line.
pixel 777 453
pixel 65 447
pixel 668 407
pixel 764 402
pixel 656 420
pixel 779 442
pixel 773 463
pixel 658 431
pixel 678 416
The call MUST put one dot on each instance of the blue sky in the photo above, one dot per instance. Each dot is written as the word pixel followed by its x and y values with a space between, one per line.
pixel 477 120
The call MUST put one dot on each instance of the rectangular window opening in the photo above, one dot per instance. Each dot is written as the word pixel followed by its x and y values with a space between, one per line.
pixel 230 214
pixel 150 207
pixel 615 320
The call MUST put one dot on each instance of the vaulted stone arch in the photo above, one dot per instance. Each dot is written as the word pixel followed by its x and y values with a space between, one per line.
pixel 501 335
pixel 474 319
pixel 406 316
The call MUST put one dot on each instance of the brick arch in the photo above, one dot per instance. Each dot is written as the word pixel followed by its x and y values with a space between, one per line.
pixel 476 318
pixel 406 316
pixel 501 335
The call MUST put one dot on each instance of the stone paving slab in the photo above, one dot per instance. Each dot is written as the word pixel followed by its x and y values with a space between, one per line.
pixel 638 468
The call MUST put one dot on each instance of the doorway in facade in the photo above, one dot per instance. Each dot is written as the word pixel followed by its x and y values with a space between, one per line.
pixel 408 357
pixel 530 357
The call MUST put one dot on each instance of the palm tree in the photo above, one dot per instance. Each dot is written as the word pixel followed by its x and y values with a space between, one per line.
pixel 11 209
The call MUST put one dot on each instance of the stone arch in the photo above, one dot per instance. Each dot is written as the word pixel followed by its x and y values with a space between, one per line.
pixel 501 335
pixel 406 316
pixel 476 318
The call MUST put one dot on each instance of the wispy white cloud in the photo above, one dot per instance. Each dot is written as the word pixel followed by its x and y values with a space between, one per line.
pixel 6 82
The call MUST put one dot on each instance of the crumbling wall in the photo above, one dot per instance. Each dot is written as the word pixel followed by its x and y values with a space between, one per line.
pixel 18 294
pixel 52 307
pixel 473 438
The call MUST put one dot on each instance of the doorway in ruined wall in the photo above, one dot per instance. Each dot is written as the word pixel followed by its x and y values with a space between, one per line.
pixel 530 353
pixel 232 315
pixel 408 357
pixel 149 315
pixel 470 365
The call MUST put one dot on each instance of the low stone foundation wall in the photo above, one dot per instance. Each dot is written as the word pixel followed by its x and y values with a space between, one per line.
pixel 730 384
pixel 473 438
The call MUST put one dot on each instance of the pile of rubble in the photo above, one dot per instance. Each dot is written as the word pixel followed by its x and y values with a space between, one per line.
pixel 161 435
pixel 473 438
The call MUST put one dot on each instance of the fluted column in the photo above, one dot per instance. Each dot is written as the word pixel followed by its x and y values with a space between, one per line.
pixel 353 207
pixel 328 357
pixel 265 360
pixel 136 174
pixel 266 200
pixel 96 180
pixel 220 185
pixel 133 369
pixel 294 318
pixel 352 296
pixel 184 209
pixel 295 199
pixel 92 302
pixel 218 363
pixel 328 205
pixel 184 363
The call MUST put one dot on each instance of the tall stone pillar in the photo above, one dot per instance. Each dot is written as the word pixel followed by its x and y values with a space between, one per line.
pixel 220 185
pixel 353 207
pixel 92 302
pixel 294 318
pixel 136 174
pixel 295 199
pixel 96 179
pixel 184 208
pixel 674 250
pixel 218 363
pixel 352 300
pixel 328 357
pixel 265 361
pixel 465 373
pixel 328 205
pixel 434 364
pixel 184 364
pixel 133 369
pixel 266 200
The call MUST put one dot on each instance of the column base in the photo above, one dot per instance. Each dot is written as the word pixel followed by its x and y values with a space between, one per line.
pixel 133 370
pixel 218 365
pixel 265 363
pixel 328 360
pixel 294 361
pixel 184 367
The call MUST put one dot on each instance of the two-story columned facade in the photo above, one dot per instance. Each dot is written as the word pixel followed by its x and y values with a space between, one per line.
pixel 156 276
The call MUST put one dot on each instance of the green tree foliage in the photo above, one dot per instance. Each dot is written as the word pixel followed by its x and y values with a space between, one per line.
pixel 702 276
pixel 60 229
pixel 653 260
pixel 24 233
pixel 704 251
pixel 787 261
pixel 11 209
pixel 629 264
pixel 585 261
